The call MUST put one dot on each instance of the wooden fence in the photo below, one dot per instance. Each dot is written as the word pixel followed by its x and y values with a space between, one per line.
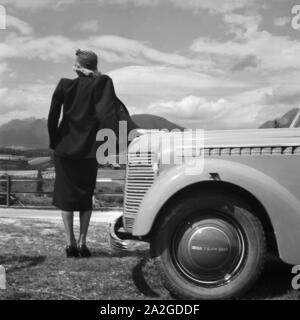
pixel 9 197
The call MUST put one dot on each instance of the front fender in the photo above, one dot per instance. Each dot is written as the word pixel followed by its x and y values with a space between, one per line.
pixel 282 207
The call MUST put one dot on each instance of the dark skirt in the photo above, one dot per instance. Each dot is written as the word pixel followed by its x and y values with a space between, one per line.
pixel 75 181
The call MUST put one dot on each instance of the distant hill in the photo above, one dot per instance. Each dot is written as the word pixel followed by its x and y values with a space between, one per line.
pixel 149 121
pixel 29 133
pixel 32 132
pixel 282 122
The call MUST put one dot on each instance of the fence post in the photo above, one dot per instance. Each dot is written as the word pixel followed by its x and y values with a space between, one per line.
pixel 8 189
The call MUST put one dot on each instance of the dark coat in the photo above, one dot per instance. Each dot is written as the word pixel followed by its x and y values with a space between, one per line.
pixel 89 104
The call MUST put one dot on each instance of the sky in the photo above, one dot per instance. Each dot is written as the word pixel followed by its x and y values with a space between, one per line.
pixel 213 64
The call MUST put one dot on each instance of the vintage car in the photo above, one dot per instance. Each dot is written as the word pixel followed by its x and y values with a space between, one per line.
pixel 210 232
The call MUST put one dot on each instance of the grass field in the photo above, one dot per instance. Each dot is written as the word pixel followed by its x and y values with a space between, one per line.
pixel 31 250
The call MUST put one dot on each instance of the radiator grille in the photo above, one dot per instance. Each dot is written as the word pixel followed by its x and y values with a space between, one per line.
pixel 139 178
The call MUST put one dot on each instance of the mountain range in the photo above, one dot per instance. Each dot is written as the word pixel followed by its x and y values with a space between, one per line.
pixel 32 132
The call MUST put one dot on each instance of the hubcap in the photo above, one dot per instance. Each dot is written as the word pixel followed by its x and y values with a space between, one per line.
pixel 209 251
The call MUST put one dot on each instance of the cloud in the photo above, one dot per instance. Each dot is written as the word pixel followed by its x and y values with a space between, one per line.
pixel 274 53
pixel 242 26
pixel 213 5
pixel 244 110
pixel 11 100
pixel 284 95
pixel 144 90
pixel 55 48
pixel 138 3
pixel 18 24
pixel 130 49
pixel 185 97
pixel 110 48
pixel 25 98
pixel 282 21
pixel 217 6
pixel 189 108
pixel 91 25
pixel 249 61
pixel 25 101
pixel 157 82
pixel 139 86
pixel 35 4
pixel 3 68
pixel 192 99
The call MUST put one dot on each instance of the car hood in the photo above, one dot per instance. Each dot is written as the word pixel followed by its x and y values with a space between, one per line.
pixel 218 138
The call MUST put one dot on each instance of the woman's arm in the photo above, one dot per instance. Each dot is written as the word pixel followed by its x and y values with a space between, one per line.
pixel 54 113
pixel 110 109
pixel 105 104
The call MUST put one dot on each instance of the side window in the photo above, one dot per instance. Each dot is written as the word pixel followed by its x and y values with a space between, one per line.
pixel 297 125
pixel 290 118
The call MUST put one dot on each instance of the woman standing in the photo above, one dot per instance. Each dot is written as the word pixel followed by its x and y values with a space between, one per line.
pixel 89 103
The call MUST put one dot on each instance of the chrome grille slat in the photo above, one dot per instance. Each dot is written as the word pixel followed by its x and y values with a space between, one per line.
pixel 139 178
pixel 136 196
pixel 132 208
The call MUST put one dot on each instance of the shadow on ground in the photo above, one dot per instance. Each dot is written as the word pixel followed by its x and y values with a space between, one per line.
pixel 275 282
pixel 121 254
pixel 19 262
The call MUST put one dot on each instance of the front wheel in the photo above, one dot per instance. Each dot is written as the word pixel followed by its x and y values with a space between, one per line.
pixel 209 246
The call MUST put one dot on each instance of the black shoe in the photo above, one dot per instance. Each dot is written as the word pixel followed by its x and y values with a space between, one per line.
pixel 72 251
pixel 84 252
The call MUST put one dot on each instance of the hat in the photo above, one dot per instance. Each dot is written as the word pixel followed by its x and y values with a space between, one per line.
pixel 87 59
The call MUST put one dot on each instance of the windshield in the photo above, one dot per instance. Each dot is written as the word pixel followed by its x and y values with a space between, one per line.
pixel 297 123
pixel 290 120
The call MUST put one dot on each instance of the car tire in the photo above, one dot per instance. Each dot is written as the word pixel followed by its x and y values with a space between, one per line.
pixel 209 246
